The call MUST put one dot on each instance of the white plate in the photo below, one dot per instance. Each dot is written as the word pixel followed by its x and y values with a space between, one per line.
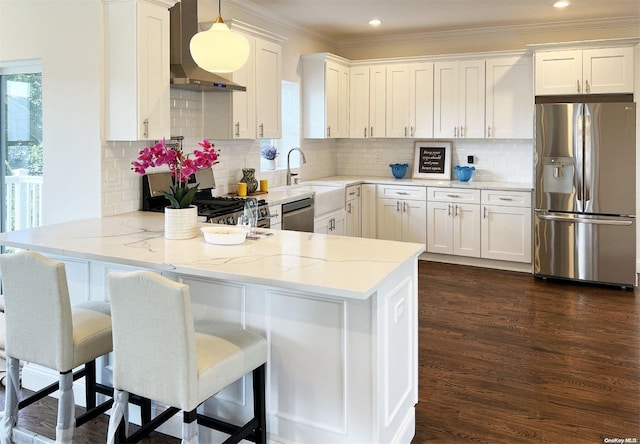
pixel 224 235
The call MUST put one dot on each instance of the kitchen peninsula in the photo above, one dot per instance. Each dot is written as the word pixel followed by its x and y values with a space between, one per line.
pixel 339 315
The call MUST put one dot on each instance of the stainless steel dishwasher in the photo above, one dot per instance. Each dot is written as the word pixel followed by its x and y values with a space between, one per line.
pixel 298 215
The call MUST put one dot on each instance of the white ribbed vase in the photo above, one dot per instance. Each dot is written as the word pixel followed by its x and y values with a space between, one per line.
pixel 180 223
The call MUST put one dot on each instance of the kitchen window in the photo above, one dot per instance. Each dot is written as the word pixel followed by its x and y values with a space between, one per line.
pixel 20 147
pixel 290 101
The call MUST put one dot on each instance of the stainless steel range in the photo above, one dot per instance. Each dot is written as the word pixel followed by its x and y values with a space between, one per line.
pixel 217 210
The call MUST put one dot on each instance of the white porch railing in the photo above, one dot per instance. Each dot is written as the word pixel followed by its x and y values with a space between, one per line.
pixel 24 202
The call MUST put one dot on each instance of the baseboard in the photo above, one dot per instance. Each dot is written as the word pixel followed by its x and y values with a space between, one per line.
pixel 478 262
pixel 407 429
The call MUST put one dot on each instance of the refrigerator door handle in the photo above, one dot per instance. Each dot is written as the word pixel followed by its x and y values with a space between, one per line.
pixel 597 220
pixel 588 148
pixel 578 140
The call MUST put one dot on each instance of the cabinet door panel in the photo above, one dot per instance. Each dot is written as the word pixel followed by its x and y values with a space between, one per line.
pixel 359 102
pixel 439 225
pixel 414 221
pixel 509 107
pixel 608 70
pixel 389 219
pixel 377 101
pixel 445 99
pixel 466 230
pixel 471 99
pixel 558 72
pixel 268 111
pixel 398 103
pixel 421 100
pixel 506 233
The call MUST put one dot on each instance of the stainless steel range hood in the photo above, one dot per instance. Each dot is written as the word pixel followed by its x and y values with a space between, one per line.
pixel 185 74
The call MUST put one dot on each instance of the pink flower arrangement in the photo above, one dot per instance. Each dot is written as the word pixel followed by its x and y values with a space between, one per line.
pixel 180 166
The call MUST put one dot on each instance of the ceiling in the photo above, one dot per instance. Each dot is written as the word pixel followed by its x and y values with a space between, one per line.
pixel 340 20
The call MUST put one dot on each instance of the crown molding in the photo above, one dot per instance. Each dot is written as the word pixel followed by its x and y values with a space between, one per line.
pixel 262 13
pixel 492 31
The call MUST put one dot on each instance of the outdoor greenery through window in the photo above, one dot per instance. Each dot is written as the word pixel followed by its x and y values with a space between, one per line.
pixel 21 150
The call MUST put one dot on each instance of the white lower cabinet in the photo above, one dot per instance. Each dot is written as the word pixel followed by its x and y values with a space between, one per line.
pixel 488 224
pixel 353 211
pixel 506 225
pixel 331 223
pixel 276 216
pixel 368 210
pixel 402 212
pixel 453 222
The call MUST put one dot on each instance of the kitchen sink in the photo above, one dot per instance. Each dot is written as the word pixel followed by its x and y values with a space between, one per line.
pixel 326 198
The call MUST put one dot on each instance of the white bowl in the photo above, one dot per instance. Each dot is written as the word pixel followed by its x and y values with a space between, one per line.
pixel 224 235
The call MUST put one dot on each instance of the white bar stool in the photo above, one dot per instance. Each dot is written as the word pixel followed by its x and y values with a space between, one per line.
pixel 161 354
pixel 43 328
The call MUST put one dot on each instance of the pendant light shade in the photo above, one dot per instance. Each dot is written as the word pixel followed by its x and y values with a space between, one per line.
pixel 219 49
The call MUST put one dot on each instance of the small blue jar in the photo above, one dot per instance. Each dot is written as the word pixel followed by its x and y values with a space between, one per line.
pixel 399 169
pixel 464 172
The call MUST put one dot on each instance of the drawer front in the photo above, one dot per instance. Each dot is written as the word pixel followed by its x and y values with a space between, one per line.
pixel 508 198
pixel 402 192
pixel 353 192
pixel 453 195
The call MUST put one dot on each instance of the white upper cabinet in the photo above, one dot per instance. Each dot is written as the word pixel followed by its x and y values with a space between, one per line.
pixel 509 98
pixel 584 71
pixel 137 69
pixel 254 113
pixel 410 100
pixel 367 101
pixel 459 99
pixel 325 96
pixel 268 89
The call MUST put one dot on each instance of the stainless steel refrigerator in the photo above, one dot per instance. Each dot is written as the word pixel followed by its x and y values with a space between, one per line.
pixel 585 200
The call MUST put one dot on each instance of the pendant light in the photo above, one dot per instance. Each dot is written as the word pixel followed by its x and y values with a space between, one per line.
pixel 219 49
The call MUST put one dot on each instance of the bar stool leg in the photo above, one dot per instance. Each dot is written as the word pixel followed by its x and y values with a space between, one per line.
pixel 66 409
pixel 190 427
pixel 11 399
pixel 259 404
pixel 119 413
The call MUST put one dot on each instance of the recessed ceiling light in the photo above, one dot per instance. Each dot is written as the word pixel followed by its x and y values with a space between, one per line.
pixel 375 22
pixel 561 4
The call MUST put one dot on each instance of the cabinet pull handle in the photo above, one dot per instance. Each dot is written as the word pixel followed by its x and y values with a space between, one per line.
pixel 358 192
pixel 485 212
pixel 461 131
pixel 456 211
pixel 349 208
pixel 328 131
pixel 587 88
pixel 505 198
pixel 237 129
pixel 145 125
pixel 453 195
pixel 402 193
pixel 404 207
pixel 371 132
pixel 398 206
pixel 448 209
pixel 578 84
pixel 455 131
pixel 365 132
pixel 405 131
pixel 412 131
pixel 489 131
pixel 262 130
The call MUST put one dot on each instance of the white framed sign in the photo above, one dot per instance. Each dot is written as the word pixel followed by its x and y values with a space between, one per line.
pixel 432 160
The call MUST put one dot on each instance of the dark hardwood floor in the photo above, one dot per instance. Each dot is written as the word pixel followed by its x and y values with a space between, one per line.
pixel 504 358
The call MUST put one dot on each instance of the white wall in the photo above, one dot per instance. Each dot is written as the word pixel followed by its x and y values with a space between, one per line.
pixel 66 36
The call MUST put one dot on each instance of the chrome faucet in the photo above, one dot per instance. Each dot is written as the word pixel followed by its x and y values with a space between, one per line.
pixel 289 173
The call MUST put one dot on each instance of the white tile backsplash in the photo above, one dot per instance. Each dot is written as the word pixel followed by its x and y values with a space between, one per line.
pixel 505 161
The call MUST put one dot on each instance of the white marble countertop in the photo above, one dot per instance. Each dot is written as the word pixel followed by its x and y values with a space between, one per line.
pixel 337 266
pixel 280 195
